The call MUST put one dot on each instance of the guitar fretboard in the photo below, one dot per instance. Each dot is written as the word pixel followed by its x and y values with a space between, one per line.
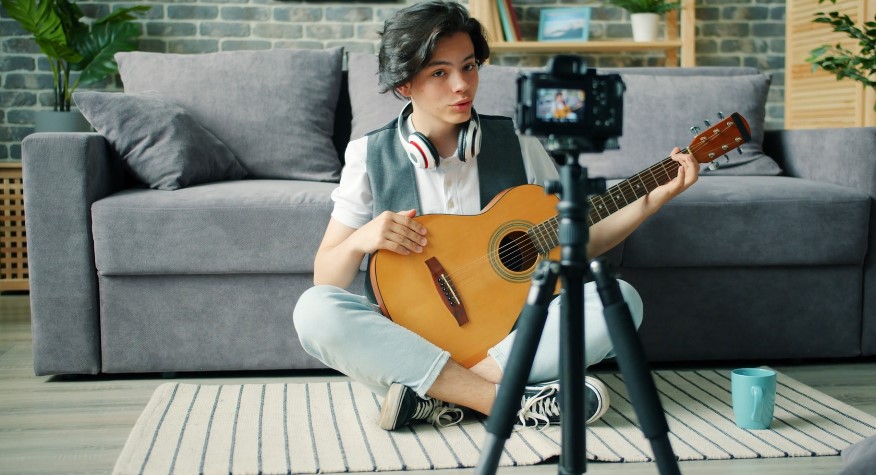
pixel 545 236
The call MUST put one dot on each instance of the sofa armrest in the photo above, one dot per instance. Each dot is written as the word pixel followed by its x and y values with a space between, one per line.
pixel 839 156
pixel 844 157
pixel 64 173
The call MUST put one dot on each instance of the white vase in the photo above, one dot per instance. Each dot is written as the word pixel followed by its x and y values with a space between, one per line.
pixel 57 121
pixel 645 26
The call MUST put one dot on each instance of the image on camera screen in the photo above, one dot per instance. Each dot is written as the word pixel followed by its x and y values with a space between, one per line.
pixel 560 105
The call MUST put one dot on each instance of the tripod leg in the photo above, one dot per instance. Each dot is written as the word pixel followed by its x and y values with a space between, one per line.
pixel 529 329
pixel 633 364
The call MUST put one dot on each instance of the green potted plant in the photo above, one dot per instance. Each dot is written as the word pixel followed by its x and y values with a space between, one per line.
pixel 73 45
pixel 645 15
pixel 844 63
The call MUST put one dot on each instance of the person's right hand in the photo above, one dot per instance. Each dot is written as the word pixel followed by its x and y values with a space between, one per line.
pixel 396 232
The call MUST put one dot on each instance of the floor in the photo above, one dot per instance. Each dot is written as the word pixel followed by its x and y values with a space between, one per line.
pixel 71 425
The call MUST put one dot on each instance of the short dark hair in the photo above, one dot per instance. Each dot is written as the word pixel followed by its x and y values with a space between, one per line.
pixel 409 38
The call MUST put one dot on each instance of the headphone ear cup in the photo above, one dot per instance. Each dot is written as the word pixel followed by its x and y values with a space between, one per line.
pixel 469 141
pixel 426 154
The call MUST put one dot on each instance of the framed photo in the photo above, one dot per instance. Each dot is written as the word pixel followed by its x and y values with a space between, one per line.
pixel 564 24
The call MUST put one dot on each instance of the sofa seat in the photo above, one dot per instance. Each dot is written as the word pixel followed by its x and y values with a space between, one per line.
pixel 754 222
pixel 217 228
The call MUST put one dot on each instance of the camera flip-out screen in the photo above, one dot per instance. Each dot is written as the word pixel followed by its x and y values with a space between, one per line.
pixel 560 105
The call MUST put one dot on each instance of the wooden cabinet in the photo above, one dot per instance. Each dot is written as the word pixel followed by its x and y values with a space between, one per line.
pixel 815 99
pixel 678 45
pixel 13 240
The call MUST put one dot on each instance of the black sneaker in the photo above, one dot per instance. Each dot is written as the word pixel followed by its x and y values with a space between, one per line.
pixel 541 402
pixel 402 406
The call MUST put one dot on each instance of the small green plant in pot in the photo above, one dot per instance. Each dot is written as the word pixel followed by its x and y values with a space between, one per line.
pixel 73 45
pixel 645 6
pixel 645 15
pixel 845 63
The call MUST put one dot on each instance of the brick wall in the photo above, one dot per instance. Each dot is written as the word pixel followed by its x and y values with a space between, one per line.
pixel 729 33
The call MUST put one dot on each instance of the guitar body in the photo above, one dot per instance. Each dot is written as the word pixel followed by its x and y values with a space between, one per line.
pixel 488 261
pixel 465 290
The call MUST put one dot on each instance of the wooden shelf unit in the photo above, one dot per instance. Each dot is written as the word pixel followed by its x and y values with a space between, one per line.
pixel 679 45
pixel 13 239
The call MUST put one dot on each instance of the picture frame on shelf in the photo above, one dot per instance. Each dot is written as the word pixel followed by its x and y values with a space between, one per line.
pixel 564 24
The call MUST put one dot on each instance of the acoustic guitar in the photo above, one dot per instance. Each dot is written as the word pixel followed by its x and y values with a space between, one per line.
pixel 466 289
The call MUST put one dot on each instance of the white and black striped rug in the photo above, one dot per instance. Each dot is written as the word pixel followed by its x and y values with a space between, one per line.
pixel 332 427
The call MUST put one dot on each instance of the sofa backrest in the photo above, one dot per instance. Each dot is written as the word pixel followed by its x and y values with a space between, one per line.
pixel 661 104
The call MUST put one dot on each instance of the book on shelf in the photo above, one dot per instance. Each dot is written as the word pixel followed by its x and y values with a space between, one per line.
pixel 508 20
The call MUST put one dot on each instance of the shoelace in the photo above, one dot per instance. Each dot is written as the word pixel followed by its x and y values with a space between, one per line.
pixel 541 406
pixel 436 413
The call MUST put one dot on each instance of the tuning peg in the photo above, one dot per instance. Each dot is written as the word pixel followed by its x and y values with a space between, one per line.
pixel 720 115
pixel 739 150
pixel 708 124
pixel 713 166
pixel 695 130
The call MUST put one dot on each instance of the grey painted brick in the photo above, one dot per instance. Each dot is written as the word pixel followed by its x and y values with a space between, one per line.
pixel 9 27
pixel 348 14
pixel 28 81
pixel 245 13
pixel 745 13
pixel 706 46
pixel 274 30
pixel 726 29
pixel 17 98
pixel 4 152
pixel 192 46
pixel 20 45
pixel 191 12
pixel 745 45
pixel 152 45
pixel 239 45
pixel 171 28
pixel 768 29
pixel 225 30
pixel 328 31
pixel 298 14
pixel 708 14
pixel 719 61
pixel 17 63
pixel 20 116
pixel 300 44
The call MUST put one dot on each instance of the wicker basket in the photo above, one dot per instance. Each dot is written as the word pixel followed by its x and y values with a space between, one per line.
pixel 13 238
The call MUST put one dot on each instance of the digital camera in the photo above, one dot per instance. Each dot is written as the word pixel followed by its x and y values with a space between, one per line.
pixel 571 104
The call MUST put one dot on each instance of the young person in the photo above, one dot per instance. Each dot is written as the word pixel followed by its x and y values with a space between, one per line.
pixel 439 156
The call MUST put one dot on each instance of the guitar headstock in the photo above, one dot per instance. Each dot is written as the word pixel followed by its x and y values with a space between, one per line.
pixel 727 135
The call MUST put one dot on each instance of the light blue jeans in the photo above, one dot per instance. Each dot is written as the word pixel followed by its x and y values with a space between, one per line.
pixel 348 333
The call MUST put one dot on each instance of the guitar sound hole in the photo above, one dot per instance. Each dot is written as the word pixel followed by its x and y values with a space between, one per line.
pixel 516 252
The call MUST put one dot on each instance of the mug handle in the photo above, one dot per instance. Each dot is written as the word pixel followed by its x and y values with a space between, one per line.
pixel 757 392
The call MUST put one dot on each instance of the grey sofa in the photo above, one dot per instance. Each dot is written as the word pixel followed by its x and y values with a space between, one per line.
pixel 771 256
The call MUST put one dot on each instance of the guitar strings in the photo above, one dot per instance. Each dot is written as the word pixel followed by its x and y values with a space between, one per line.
pixel 527 254
pixel 524 250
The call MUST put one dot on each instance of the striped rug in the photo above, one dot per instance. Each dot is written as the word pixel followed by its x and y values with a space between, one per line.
pixel 332 427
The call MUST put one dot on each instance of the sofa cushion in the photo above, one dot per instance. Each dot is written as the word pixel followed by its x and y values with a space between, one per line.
pixel 267 226
pixel 161 144
pixel 754 221
pixel 274 108
pixel 661 106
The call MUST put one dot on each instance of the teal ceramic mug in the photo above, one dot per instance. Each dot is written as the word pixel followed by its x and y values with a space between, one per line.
pixel 754 396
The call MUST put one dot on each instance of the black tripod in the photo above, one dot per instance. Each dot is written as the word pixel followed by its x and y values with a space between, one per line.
pixel 574 188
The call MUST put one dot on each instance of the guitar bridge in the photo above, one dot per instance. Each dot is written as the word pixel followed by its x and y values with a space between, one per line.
pixel 446 291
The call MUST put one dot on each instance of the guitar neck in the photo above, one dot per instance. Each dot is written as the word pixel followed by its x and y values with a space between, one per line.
pixel 546 236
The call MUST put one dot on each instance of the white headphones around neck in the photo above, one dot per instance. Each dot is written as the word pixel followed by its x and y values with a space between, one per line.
pixel 423 154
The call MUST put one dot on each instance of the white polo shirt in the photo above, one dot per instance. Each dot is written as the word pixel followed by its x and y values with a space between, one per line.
pixel 451 188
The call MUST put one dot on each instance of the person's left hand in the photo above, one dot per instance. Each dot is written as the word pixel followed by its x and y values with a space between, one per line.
pixel 688 172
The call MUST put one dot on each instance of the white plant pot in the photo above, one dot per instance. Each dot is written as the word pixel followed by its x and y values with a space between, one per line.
pixel 57 121
pixel 645 26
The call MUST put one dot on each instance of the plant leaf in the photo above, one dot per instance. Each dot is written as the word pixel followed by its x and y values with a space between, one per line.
pixel 99 46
